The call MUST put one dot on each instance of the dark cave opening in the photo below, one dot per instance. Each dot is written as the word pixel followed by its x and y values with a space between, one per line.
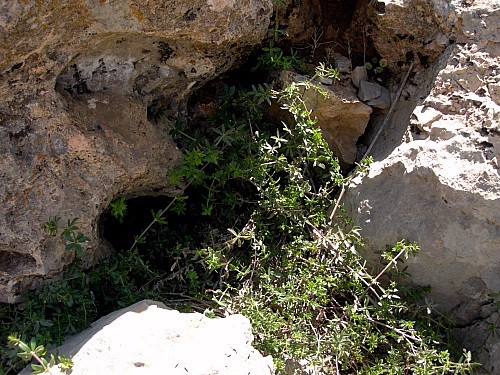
pixel 137 217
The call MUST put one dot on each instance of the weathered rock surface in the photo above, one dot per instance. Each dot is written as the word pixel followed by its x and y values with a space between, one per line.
pixel 402 31
pixel 149 338
pixel 479 338
pixel 359 74
pixel 369 90
pixel 80 81
pixel 435 179
pixel 341 116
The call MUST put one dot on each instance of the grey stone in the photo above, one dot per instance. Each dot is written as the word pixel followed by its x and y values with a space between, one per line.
pixel 149 338
pixel 359 74
pixel 326 81
pixel 442 192
pixel 343 64
pixel 369 90
pixel 383 101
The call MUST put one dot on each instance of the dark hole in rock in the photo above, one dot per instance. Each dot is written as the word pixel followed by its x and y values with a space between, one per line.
pixel 161 108
pixel 424 60
pixel 409 57
pixel 189 229
pixel 380 7
pixel 15 263
pixel 138 216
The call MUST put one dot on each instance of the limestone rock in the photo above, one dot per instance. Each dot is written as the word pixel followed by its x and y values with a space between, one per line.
pixel 342 117
pixel 149 338
pixel 359 74
pixel 81 82
pixel 369 90
pixel 383 101
pixel 424 117
pixel 478 337
pixel 343 64
pixel 442 188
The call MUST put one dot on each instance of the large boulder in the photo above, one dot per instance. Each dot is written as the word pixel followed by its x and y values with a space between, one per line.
pixel 149 338
pixel 435 179
pixel 80 83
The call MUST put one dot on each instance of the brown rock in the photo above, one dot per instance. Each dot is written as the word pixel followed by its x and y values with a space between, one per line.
pixel 74 130
pixel 341 116
pixel 402 31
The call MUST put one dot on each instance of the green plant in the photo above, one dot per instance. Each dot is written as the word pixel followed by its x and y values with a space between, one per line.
pixel 30 351
pixel 291 267
pixel 74 239
pixel 273 56
pixel 376 66
pixel 268 245
pixel 302 282
pixel 52 225
pixel 118 208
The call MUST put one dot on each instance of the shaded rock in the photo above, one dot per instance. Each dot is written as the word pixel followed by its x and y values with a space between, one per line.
pixel 342 117
pixel 419 30
pixel 403 31
pixel 149 338
pixel 442 191
pixel 359 74
pixel 383 101
pixel 343 64
pixel 298 20
pixel 480 339
pixel 78 109
pixel 369 90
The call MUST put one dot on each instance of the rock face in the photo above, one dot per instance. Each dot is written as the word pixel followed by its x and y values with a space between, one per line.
pixel 149 338
pixel 435 179
pixel 402 30
pixel 341 116
pixel 80 82
pixel 479 338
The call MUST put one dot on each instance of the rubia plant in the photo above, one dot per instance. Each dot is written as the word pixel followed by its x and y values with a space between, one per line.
pixel 273 56
pixel 38 353
pixel 118 208
pixel 268 245
pixel 293 264
pixel 301 279
pixel 65 306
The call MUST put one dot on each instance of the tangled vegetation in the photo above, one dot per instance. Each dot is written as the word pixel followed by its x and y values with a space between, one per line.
pixel 289 261
pixel 274 245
